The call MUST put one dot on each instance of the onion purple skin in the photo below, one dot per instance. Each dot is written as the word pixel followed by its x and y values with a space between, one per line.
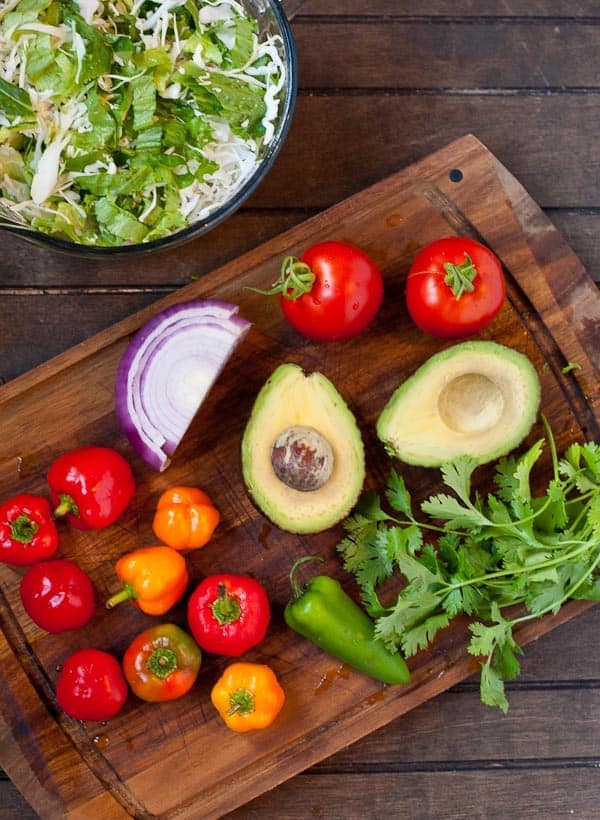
pixel 206 317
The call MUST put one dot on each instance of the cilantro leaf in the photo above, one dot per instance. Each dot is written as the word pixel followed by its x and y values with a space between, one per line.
pixel 457 475
pixel 415 604
pixel 505 660
pixel 591 455
pixel 593 516
pixel 449 509
pixel 523 471
pixel 398 495
pixel 486 637
pixel 551 509
pixel 505 478
pixel 421 635
pixel 491 688
pixel 369 507
pixel 498 511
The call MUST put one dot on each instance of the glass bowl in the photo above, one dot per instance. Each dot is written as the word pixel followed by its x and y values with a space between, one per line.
pixel 272 20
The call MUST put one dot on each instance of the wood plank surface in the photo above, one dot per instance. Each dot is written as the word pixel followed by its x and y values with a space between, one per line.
pixel 418 796
pixel 364 10
pixel 547 137
pixel 462 53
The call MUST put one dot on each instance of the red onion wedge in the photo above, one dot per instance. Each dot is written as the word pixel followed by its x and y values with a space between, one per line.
pixel 167 371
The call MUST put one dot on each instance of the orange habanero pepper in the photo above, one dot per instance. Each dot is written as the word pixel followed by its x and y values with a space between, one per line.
pixel 154 578
pixel 247 696
pixel 185 518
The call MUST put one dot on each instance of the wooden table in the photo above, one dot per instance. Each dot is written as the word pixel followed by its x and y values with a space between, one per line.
pixel 383 83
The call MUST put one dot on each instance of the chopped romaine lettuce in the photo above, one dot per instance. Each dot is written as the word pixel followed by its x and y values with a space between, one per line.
pixel 122 122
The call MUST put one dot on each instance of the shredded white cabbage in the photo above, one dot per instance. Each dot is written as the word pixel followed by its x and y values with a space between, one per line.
pixel 199 93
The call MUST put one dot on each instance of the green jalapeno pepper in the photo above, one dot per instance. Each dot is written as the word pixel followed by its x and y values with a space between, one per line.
pixel 322 612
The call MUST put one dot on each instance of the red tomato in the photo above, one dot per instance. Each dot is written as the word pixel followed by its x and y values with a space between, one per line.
pixel 91 685
pixel 338 294
pixel 455 287
pixel 57 595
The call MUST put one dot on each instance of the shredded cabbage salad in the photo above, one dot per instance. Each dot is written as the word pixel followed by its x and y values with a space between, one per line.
pixel 122 121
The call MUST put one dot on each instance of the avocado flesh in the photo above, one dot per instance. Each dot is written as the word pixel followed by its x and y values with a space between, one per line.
pixel 290 398
pixel 475 398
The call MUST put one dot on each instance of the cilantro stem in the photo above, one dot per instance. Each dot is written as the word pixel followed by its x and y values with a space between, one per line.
pixel 585 546
pixel 411 522
pixel 552 445
pixel 583 512
pixel 568 594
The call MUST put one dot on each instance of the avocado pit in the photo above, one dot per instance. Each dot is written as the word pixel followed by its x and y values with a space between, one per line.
pixel 471 403
pixel 302 458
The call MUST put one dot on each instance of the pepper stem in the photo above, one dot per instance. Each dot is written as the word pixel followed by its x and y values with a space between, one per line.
pixel 241 702
pixel 67 505
pixel 297 589
pixel 162 661
pixel 225 608
pixel 125 594
pixel 23 529
pixel 459 278
pixel 295 279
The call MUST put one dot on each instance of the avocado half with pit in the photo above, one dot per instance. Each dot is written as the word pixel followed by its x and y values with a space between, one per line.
pixel 302 452
pixel 475 398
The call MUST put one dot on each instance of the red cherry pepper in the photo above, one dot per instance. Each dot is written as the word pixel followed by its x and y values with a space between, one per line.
pixel 27 531
pixel 91 685
pixel 92 486
pixel 57 595
pixel 228 614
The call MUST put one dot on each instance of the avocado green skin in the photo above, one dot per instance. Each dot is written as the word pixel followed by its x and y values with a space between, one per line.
pixel 257 488
pixel 514 436
pixel 328 617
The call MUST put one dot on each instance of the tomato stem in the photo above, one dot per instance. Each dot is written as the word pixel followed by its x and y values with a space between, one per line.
pixel 295 279
pixel 459 278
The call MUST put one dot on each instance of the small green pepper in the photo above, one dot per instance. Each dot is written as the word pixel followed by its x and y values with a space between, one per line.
pixel 322 612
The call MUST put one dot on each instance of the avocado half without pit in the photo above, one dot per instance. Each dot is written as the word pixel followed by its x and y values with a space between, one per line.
pixel 476 398
pixel 302 452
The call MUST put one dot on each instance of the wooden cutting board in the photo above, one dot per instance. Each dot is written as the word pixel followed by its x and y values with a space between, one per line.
pixel 178 759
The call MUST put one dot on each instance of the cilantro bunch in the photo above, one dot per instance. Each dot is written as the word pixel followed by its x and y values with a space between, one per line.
pixel 478 555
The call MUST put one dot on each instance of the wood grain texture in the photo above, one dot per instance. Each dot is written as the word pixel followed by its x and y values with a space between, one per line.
pixel 432 9
pixel 554 794
pixel 543 318
pixel 403 55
